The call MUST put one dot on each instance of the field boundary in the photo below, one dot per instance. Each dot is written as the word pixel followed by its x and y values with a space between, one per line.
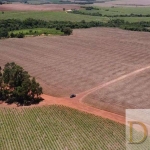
pixel 78 104
pixel 86 93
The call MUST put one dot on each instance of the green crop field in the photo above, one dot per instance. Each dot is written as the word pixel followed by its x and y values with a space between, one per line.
pixel 122 11
pixel 38 31
pixel 50 16
pixel 63 16
pixel 57 128
pixel 38 2
pixel 134 19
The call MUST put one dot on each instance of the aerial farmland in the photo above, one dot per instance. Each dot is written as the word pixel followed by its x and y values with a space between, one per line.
pixel 92 64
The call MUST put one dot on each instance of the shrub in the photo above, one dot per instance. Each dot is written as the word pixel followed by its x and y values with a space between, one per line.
pixel 57 28
pixel 67 30
pixel 12 35
pixel 3 33
pixel 20 35
pixel 30 31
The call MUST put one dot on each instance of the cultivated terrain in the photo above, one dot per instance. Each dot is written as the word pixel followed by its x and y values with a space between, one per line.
pixel 87 59
pixel 57 128
pixel 107 68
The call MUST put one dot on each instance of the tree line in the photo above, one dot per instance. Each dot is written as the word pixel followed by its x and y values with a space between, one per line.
pixel 17 86
pixel 16 24
pixel 90 8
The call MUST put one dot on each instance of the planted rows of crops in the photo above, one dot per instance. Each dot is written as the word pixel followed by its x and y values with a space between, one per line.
pixel 56 128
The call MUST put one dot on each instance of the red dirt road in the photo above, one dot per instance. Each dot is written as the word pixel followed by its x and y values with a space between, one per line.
pixel 76 103
pixel 44 7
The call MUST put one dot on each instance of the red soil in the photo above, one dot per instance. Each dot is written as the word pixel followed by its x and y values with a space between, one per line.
pixel 76 103
pixel 44 7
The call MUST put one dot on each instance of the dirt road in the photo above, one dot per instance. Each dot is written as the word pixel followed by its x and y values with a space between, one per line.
pixel 76 103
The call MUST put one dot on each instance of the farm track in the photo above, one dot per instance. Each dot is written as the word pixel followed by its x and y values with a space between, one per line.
pixel 81 64
pixel 86 93
pixel 77 103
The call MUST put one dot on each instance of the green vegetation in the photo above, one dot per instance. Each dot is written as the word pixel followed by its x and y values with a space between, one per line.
pixel 117 10
pixel 131 14
pixel 27 25
pixel 35 32
pixel 135 19
pixel 97 14
pixel 3 32
pixel 17 86
pixel 38 2
pixel 58 128
pixel 50 16
pixel 67 30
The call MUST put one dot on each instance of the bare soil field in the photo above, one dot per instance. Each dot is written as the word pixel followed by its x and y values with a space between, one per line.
pixel 131 93
pixel 125 3
pixel 87 59
pixel 44 7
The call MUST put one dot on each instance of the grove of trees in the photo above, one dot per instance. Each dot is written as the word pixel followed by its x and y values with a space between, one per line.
pixel 17 86
pixel 3 33
pixel 15 24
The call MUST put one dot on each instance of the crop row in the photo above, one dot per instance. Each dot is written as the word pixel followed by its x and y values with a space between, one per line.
pixel 57 128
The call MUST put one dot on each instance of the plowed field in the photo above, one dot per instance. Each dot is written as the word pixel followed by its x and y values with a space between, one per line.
pixel 87 59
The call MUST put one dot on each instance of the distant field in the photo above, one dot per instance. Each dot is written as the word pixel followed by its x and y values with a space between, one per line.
pixel 38 2
pixel 122 11
pixel 134 19
pixel 63 16
pixel 58 128
pixel 38 31
pixel 43 12
pixel 44 7
pixel 131 3
pixel 46 15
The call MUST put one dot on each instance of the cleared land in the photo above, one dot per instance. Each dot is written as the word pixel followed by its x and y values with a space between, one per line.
pixel 131 93
pixel 77 63
pixel 44 7
pixel 57 128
